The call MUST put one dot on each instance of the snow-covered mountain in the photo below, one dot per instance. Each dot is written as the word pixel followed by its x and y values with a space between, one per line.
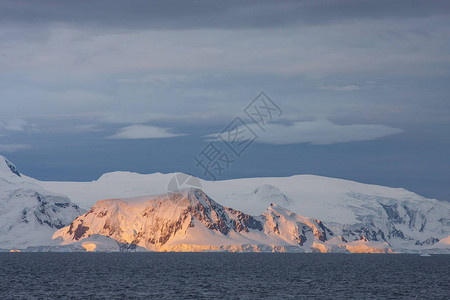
pixel 254 214
pixel 191 221
pixel 29 215
pixel 354 211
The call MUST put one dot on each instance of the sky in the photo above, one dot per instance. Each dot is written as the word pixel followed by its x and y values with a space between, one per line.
pixel 357 90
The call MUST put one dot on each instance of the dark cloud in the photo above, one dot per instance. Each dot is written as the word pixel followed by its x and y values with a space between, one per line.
pixel 169 14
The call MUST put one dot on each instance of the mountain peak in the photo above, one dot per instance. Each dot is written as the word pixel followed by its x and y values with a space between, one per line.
pixel 190 197
pixel 190 191
pixel 270 193
pixel 7 167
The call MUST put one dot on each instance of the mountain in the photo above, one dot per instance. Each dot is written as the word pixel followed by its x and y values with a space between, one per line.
pixel 254 214
pixel 407 222
pixel 189 220
pixel 29 215
pixel 162 222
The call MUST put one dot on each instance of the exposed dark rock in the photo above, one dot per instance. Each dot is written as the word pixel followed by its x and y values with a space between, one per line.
pixel 12 168
pixel 80 231
pixel 392 213
pixel 429 241
pixel 301 239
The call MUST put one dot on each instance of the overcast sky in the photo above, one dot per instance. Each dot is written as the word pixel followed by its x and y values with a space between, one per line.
pixel 88 87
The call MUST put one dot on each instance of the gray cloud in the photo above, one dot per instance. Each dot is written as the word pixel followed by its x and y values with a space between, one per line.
pixel 14 124
pixel 172 14
pixel 112 62
pixel 17 124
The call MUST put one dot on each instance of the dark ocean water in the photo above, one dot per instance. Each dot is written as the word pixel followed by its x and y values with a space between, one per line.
pixel 222 275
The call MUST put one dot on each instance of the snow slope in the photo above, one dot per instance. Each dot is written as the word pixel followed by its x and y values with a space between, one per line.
pixel 29 215
pixel 325 198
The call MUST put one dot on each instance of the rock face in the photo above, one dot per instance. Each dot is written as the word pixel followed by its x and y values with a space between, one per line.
pixel 294 228
pixel 152 222
pixel 192 221
pixel 29 215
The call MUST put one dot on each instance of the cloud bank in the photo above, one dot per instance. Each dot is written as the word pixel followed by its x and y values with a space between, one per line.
pixel 319 132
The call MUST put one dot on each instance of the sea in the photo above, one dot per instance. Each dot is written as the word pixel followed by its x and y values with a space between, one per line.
pixel 223 276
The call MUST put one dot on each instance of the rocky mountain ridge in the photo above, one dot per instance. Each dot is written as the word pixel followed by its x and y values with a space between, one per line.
pixel 191 221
